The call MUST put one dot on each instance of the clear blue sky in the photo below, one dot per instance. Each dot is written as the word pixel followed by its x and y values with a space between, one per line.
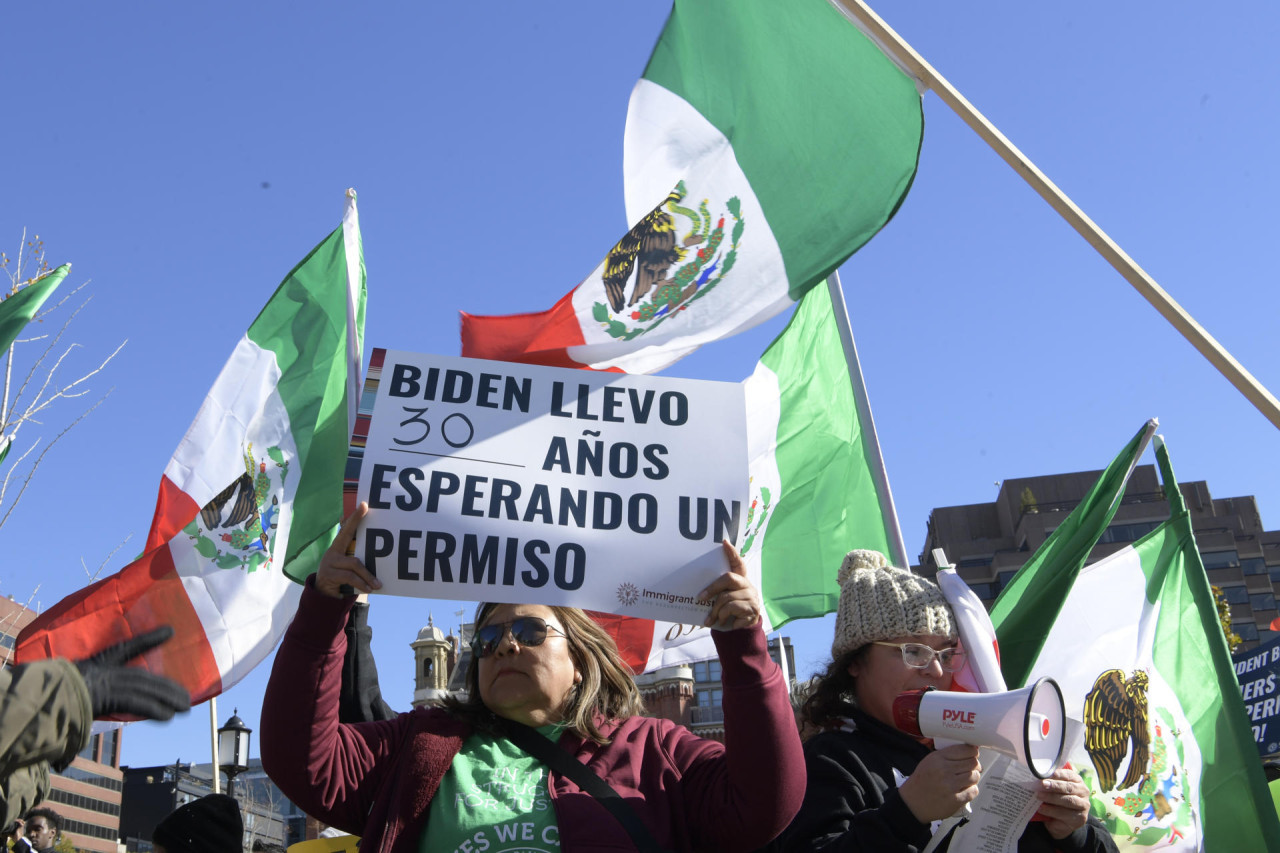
pixel 185 157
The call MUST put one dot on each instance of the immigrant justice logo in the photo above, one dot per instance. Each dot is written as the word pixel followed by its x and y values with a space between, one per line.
pixel 628 594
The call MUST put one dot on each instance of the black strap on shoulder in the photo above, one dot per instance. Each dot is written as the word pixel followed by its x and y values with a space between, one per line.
pixel 585 778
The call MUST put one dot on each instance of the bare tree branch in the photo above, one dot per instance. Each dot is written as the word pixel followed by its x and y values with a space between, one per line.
pixel 8 652
pixel 93 577
pixel 41 386
pixel 47 448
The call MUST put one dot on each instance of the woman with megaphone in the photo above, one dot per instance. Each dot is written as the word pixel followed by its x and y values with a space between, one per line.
pixel 872 786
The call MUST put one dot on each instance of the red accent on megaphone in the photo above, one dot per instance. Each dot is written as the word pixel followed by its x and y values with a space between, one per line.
pixel 906 711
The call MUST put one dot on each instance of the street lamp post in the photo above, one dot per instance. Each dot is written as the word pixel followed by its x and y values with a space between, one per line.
pixel 233 749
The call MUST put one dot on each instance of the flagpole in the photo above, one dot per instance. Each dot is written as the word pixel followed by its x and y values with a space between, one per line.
pixel 867 423
pixel 213 739
pixel 915 65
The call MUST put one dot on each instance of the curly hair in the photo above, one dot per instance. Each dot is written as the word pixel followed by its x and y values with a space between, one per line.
pixel 832 695
pixel 606 691
pixel 51 817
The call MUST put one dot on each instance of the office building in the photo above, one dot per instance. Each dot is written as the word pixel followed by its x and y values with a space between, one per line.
pixel 989 542
pixel 151 793
pixel 87 794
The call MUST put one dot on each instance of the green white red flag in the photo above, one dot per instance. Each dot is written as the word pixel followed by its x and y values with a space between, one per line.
pixel 1041 585
pixel 1135 643
pixel 250 498
pixel 16 311
pixel 817 483
pixel 765 144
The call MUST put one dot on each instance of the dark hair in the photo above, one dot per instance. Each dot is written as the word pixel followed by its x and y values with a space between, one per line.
pixel 832 695
pixel 606 690
pixel 53 818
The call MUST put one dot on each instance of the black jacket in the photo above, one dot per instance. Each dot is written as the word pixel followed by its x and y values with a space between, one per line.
pixel 852 800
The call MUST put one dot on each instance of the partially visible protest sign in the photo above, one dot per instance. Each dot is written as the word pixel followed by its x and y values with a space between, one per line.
pixel 1258 671
pixel 495 481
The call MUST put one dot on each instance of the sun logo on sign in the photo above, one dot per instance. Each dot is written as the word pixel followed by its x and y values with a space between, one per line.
pixel 628 594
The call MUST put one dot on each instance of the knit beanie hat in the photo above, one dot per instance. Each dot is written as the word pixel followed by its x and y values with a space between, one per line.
pixel 879 602
pixel 210 824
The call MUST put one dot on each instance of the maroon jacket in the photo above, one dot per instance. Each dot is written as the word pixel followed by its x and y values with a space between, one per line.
pixel 378 779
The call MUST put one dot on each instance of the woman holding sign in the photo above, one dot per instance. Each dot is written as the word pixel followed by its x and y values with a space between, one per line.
pixel 455 778
pixel 873 787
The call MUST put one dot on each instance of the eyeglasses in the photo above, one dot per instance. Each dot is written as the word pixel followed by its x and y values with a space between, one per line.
pixel 525 630
pixel 919 656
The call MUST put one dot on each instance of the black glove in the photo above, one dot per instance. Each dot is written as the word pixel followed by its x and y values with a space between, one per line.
pixel 118 689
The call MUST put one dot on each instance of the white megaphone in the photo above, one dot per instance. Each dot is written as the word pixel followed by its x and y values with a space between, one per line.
pixel 1029 724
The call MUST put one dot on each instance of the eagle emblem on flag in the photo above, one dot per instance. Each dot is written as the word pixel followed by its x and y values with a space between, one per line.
pixel 236 528
pixel 1115 718
pixel 666 272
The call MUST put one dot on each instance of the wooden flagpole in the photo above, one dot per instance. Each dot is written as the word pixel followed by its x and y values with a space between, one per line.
pixel 869 22
pixel 867 424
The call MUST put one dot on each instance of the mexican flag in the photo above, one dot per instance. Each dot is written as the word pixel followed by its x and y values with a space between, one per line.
pixel 1135 643
pixel 817 483
pixel 16 311
pixel 1030 601
pixel 250 498
pixel 764 145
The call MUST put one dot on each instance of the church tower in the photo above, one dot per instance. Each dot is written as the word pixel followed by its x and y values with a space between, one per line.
pixel 430 665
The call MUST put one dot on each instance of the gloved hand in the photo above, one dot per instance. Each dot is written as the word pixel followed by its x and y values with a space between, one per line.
pixel 118 689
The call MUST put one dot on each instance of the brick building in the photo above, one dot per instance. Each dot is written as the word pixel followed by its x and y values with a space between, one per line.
pixel 88 793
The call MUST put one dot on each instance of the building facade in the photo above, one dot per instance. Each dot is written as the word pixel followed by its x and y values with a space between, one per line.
pixel 989 542
pixel 151 793
pixel 86 794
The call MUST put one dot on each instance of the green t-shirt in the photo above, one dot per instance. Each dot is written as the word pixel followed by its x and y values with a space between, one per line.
pixel 493 799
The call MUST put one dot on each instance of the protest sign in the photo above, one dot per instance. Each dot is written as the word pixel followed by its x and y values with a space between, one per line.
pixel 1258 671
pixel 520 483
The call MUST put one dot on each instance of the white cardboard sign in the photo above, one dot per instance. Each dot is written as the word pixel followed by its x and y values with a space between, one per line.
pixel 493 481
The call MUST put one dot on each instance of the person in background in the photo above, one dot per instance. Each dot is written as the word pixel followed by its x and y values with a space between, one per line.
pixel 211 824
pixel 873 787
pixel 452 779
pixel 361 698
pixel 47 708
pixel 39 831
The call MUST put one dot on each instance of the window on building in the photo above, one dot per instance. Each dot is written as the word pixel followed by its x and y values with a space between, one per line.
pixel 1263 601
pixel 710 698
pixel 1131 532
pixel 1235 594
pixel 1253 566
pixel 92 778
pixel 985 591
pixel 1220 559
pixel 110 747
pixel 90 752
pixel 706 670
pixel 1246 631
pixel 80 801
pixel 1003 578
pixel 1274 573
pixel 974 562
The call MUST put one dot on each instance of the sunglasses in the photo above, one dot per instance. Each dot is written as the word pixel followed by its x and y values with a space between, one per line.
pixel 525 630
pixel 919 656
